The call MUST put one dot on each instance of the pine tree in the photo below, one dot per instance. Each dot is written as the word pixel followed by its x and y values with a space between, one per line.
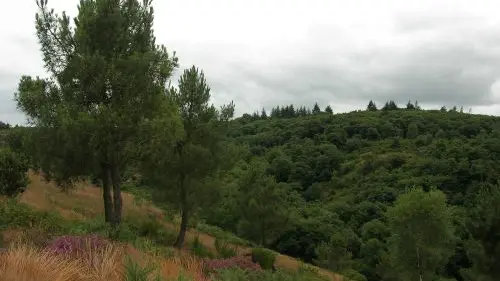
pixel 291 111
pixel 392 105
pixel 328 109
pixel 275 112
pixel 371 106
pixel 316 109
pixel 106 87
pixel 417 107
pixel 198 155
pixel 263 114
pixel 409 105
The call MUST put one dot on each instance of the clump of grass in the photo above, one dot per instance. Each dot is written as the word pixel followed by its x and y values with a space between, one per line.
pixel 238 274
pixel 150 227
pixel 102 259
pixel 264 257
pixel 14 214
pixel 218 232
pixel 243 263
pixel 136 272
pixel 185 268
pixel 224 249
pixel 26 264
pixel 149 246
pixel 200 250
pixel 34 237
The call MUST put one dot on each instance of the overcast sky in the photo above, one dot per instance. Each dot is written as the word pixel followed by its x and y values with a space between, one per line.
pixel 262 53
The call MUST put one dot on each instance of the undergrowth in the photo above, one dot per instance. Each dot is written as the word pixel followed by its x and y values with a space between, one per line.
pixel 42 251
pixel 219 233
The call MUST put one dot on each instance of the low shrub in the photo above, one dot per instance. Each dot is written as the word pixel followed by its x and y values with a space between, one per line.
pixel 353 275
pixel 13 169
pixel 146 245
pixel 264 257
pixel 34 237
pixel 222 234
pixel 136 272
pixel 240 262
pixel 224 249
pixel 23 263
pixel 200 250
pixel 76 245
pixel 18 215
pixel 151 228
pixel 237 274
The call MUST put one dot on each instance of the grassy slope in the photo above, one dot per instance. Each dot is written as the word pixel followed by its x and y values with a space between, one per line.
pixel 86 201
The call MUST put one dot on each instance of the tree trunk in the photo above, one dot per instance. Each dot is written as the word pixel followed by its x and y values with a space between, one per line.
pixel 262 233
pixel 106 194
pixel 418 265
pixel 117 194
pixel 185 215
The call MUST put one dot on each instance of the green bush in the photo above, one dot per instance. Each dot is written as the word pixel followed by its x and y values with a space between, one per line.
pixel 237 274
pixel 222 234
pixel 353 275
pixel 150 227
pixel 149 246
pixel 135 272
pixel 224 249
pixel 15 214
pixel 13 178
pixel 199 249
pixel 264 257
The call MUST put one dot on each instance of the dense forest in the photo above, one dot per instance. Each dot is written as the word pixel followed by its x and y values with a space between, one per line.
pixel 384 193
pixel 390 194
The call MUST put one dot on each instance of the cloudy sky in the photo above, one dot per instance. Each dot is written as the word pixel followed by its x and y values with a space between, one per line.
pixel 266 52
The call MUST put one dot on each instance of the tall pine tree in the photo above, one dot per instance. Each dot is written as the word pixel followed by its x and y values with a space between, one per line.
pixel 184 173
pixel 107 86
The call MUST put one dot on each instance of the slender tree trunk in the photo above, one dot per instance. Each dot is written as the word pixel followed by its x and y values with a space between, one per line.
pixel 262 232
pixel 418 264
pixel 106 194
pixel 184 216
pixel 117 194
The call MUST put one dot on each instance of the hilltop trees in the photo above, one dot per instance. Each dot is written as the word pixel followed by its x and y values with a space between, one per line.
pixel 371 106
pixel 316 108
pixel 390 105
pixel 106 87
pixel 328 109
pixel 4 125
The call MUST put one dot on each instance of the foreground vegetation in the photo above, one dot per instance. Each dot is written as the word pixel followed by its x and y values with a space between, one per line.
pixel 379 194
pixel 51 234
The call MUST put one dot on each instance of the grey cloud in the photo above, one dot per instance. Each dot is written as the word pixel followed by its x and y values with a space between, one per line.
pixel 452 69
pixel 438 58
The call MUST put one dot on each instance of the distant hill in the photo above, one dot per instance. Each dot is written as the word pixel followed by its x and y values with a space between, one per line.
pixel 349 168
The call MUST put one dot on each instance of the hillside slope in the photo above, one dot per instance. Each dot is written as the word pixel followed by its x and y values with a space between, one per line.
pixel 85 203
pixel 349 169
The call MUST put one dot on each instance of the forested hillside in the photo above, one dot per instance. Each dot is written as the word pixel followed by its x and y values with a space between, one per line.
pixel 328 188
pixel 393 194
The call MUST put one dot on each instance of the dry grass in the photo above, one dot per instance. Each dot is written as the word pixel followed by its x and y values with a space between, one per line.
pixel 27 264
pixel 23 263
pixel 86 202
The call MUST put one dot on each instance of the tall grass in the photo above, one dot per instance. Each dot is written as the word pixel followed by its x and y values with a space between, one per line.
pixel 110 263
